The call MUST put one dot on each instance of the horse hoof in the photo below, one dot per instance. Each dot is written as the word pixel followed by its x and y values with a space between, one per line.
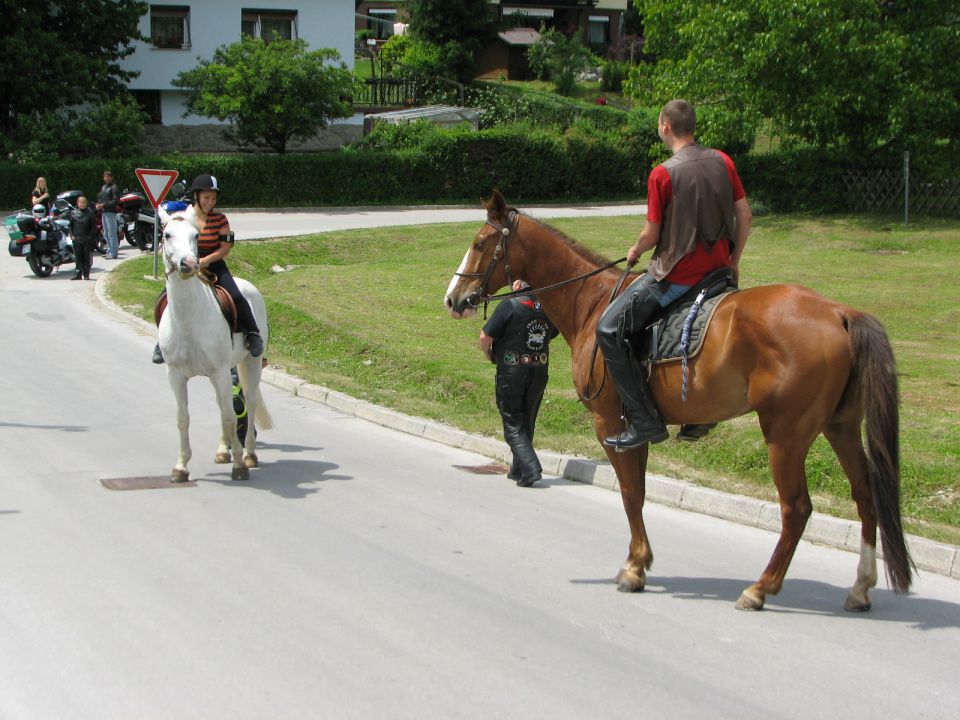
pixel 630 581
pixel 240 473
pixel 856 603
pixel 749 602
pixel 223 458
pixel 251 461
pixel 179 476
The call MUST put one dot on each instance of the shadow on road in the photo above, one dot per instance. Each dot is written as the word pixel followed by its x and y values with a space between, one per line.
pixel 293 479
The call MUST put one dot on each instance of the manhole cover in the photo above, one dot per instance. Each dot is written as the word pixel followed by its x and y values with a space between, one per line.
pixel 143 483
pixel 490 469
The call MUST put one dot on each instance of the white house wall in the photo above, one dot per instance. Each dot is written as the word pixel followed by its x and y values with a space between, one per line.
pixel 322 23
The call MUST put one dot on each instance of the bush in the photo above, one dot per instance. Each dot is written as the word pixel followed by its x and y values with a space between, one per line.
pixel 613 74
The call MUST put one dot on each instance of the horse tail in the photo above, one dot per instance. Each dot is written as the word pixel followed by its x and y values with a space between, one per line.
pixel 875 372
pixel 262 418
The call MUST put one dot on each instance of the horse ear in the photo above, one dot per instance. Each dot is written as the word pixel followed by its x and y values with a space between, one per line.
pixel 163 215
pixel 496 206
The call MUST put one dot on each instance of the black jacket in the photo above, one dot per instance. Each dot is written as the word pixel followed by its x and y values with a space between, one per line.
pixel 83 224
pixel 109 194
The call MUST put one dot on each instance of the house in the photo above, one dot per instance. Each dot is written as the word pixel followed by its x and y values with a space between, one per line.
pixel 182 33
pixel 597 22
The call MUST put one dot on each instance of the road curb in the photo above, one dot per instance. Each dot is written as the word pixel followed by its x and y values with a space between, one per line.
pixel 929 555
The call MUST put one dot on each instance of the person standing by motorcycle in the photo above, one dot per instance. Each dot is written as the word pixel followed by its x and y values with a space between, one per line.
pixel 107 205
pixel 83 229
pixel 213 245
pixel 40 194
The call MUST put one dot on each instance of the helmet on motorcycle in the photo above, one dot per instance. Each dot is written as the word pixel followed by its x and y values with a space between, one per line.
pixel 39 210
pixel 205 182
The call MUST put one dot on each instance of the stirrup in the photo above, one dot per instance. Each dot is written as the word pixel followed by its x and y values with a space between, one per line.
pixel 634 437
pixel 255 344
pixel 158 355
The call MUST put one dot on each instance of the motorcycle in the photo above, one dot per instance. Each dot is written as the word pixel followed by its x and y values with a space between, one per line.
pixel 44 241
pixel 138 214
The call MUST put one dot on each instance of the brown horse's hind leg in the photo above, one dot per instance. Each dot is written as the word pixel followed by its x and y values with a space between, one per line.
pixel 631 473
pixel 787 467
pixel 845 440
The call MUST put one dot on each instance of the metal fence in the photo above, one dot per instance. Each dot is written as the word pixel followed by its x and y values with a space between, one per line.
pixel 894 190
pixel 385 92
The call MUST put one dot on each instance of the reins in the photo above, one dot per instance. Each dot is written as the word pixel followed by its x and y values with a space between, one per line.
pixel 501 252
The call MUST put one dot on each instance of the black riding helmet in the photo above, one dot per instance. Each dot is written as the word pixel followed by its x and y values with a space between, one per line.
pixel 204 182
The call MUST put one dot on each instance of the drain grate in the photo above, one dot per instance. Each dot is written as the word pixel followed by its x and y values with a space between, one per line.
pixel 489 469
pixel 153 482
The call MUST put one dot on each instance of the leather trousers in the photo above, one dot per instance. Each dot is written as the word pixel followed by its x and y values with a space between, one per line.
pixel 519 393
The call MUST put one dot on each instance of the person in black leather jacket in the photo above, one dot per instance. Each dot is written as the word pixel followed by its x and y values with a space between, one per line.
pixel 83 230
pixel 517 339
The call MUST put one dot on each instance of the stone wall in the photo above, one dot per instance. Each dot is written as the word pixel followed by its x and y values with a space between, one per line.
pixel 208 138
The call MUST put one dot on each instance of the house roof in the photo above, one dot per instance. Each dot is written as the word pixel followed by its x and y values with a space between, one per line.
pixel 520 36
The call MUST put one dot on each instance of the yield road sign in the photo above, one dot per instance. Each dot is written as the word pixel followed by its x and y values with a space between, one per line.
pixel 156 183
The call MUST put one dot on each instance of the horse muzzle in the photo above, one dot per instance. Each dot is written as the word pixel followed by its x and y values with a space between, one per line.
pixel 462 308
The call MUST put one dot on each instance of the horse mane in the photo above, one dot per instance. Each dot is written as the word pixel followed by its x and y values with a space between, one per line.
pixel 584 252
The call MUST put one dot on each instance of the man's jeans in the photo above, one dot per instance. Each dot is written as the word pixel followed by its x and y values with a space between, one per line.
pixel 110 233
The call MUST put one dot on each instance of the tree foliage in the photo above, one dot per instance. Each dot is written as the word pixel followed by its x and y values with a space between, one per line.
pixel 58 54
pixel 857 74
pixel 270 92
pixel 460 29
pixel 558 58
pixel 110 129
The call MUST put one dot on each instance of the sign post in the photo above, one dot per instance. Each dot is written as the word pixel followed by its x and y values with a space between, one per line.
pixel 156 184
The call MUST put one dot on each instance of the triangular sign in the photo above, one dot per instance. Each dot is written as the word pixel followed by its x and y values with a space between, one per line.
pixel 156 183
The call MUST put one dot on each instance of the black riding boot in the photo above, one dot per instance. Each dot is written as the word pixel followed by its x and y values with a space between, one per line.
pixel 645 423
pixel 246 321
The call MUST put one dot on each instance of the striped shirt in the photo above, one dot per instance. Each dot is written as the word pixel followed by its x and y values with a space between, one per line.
pixel 210 237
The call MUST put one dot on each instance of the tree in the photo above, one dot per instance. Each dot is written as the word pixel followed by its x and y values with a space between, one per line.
pixel 270 92
pixel 58 54
pixel 858 74
pixel 460 29
pixel 558 58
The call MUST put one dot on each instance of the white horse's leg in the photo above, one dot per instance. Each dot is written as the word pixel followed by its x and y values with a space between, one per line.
pixel 250 370
pixel 178 382
pixel 223 388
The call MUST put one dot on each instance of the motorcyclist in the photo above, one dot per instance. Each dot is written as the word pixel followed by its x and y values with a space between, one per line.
pixel 213 246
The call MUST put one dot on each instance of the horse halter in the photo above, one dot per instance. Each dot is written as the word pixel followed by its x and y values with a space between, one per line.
pixel 500 252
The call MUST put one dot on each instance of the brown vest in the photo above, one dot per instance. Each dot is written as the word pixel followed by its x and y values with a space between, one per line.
pixel 701 209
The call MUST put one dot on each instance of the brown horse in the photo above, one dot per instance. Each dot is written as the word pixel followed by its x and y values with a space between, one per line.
pixel 804 364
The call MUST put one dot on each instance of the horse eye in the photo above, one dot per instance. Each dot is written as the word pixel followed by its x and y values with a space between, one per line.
pixel 478 246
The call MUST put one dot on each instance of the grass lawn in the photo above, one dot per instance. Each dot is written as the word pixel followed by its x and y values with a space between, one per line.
pixel 361 311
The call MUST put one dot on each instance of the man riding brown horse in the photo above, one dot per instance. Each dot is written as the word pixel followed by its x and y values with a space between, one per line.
pixel 696 206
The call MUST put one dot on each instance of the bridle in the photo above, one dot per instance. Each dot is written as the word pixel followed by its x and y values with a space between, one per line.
pixel 205 275
pixel 500 252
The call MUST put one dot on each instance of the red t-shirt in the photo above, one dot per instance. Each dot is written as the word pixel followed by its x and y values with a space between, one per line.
pixel 692 268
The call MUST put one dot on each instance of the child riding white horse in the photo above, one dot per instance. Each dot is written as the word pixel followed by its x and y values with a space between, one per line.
pixel 196 340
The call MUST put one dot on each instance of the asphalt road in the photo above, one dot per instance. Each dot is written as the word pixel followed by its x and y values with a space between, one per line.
pixel 361 573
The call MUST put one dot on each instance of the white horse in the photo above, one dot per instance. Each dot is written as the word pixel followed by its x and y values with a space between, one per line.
pixel 196 340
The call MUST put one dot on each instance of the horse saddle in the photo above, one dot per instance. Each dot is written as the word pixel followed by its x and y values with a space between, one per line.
pixel 227 307
pixel 678 330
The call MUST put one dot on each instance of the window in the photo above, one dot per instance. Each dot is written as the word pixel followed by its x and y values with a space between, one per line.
pixel 598 30
pixel 170 27
pixel 381 22
pixel 149 101
pixel 267 26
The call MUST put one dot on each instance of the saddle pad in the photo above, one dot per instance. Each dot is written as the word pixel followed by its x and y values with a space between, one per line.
pixel 227 307
pixel 670 330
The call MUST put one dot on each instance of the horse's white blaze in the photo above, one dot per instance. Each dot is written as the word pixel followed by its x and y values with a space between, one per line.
pixel 456 276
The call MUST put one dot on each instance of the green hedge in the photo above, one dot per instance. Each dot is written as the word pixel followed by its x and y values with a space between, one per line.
pixel 528 164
